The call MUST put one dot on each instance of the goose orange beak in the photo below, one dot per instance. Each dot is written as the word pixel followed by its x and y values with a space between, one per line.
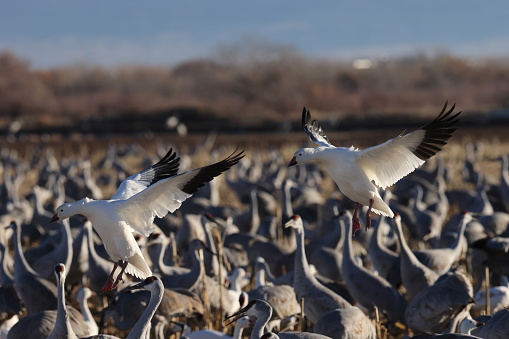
pixel 292 162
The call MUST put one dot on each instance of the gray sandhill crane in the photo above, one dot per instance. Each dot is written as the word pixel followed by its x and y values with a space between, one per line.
pixel 190 279
pixel 190 229
pixel 415 276
pixel 497 327
pixel 368 289
pixel 126 307
pixel 159 264
pixel 82 296
pixel 62 328
pixel 345 323
pixel 6 263
pixel 497 251
pixel 428 223
pixel 382 258
pixel 281 298
pixel 65 322
pixel 441 307
pixel 141 329
pixel 61 254
pixel 263 312
pixel 467 325
pixel 496 223
pixel 327 260
pixel 440 260
pixel 38 294
pixel 10 302
pixel 318 298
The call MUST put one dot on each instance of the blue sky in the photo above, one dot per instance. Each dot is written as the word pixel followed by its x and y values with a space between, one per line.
pixel 52 33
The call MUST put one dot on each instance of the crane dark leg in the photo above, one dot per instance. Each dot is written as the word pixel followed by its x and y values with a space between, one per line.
pixel 368 219
pixel 109 282
pixel 355 220
pixel 123 265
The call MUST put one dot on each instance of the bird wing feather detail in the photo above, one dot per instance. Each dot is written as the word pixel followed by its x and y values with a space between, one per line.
pixel 387 163
pixel 313 130
pixel 166 167
pixel 168 194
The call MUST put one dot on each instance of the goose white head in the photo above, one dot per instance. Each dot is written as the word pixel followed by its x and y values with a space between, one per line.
pixel 467 325
pixel 65 211
pixel 304 155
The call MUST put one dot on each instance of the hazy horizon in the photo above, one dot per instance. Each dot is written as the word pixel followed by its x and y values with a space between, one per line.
pixel 58 33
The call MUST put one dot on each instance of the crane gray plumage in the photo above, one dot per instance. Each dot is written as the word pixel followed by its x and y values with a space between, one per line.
pixel 497 327
pixel 263 312
pixel 318 298
pixel 368 289
pixel 82 297
pixel 497 251
pixel 63 253
pixel 38 294
pixel 346 323
pixel 64 323
pixel 440 307
pixel 440 260
pixel 62 329
pixel 415 276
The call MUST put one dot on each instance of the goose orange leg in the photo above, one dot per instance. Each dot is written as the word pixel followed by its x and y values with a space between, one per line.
pixel 109 283
pixel 123 265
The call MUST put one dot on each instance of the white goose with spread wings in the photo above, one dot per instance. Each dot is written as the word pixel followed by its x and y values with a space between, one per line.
pixel 140 198
pixel 360 173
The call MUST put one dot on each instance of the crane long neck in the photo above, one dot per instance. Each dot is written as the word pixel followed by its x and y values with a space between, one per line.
pixel 347 247
pixel 6 279
pixel 255 217
pixel 402 241
pixel 237 332
pixel 20 263
pixel 85 310
pixel 62 327
pixel 456 245
pixel 142 328
pixel 301 262
pixel 259 326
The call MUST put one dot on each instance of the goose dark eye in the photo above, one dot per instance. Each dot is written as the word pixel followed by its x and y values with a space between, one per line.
pixel 300 154
pixel 61 210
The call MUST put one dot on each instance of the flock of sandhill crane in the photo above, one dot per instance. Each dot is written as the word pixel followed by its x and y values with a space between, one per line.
pixel 278 259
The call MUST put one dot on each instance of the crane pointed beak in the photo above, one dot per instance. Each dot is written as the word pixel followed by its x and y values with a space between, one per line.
pixel 292 162
pixel 236 316
pixel 54 218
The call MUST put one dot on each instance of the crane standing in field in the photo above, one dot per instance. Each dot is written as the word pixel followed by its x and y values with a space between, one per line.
pixel 358 174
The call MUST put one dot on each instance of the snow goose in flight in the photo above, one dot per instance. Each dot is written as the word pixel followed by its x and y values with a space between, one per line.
pixel 140 198
pixel 359 173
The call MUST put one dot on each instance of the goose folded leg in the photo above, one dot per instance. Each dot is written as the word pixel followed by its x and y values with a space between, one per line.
pixel 110 283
